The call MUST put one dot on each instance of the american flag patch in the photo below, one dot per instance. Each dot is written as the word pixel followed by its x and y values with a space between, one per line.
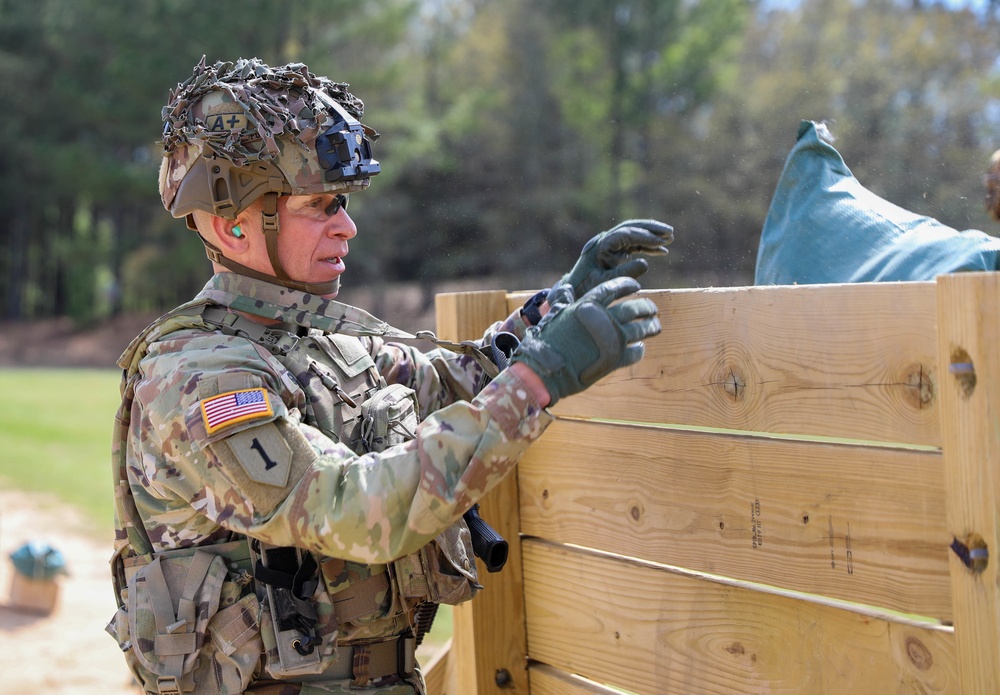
pixel 234 406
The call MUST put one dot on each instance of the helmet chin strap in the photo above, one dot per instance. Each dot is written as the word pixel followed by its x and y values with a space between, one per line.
pixel 269 217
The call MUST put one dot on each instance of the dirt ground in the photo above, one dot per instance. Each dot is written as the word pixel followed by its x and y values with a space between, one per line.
pixel 57 343
pixel 66 652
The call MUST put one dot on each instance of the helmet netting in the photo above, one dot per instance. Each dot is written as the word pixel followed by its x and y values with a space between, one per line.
pixel 275 101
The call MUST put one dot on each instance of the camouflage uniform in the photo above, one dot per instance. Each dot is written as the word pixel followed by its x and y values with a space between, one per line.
pixel 290 486
pixel 361 515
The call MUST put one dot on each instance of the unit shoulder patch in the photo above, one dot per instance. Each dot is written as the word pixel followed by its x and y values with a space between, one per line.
pixel 234 406
pixel 265 462
pixel 263 454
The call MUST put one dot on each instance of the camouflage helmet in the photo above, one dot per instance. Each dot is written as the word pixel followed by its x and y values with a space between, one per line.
pixel 237 132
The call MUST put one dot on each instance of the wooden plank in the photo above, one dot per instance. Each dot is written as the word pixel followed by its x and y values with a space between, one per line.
pixel 437 671
pixel 488 648
pixel 864 524
pixel 851 361
pixel 489 634
pixel 646 629
pixel 465 315
pixel 546 680
pixel 969 342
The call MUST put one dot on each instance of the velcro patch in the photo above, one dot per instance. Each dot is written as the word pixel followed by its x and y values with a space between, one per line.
pixel 265 462
pixel 263 453
pixel 234 406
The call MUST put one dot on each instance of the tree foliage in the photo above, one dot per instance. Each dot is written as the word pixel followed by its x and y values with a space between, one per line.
pixel 512 131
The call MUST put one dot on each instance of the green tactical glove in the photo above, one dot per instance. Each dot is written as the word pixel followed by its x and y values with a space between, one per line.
pixel 609 254
pixel 579 342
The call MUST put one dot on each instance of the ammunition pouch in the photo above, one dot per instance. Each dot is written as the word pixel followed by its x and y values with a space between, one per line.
pixel 389 417
pixel 187 622
pixel 441 572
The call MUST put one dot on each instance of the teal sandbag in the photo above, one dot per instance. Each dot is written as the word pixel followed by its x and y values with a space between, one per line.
pixel 38 560
pixel 823 226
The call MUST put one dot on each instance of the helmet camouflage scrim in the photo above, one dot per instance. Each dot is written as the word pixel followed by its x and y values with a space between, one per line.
pixel 236 132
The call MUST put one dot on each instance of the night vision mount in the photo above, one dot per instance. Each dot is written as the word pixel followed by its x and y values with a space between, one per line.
pixel 344 150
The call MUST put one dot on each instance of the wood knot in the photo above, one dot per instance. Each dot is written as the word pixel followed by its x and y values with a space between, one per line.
pixel 736 649
pixel 635 511
pixel 920 656
pixel 734 383
pixel 919 387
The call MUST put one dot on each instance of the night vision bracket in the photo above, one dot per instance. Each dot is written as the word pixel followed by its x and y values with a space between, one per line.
pixel 344 150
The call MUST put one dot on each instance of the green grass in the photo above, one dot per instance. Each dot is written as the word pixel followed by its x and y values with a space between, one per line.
pixel 55 436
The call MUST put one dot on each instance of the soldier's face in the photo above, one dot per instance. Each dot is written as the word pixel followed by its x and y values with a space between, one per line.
pixel 312 238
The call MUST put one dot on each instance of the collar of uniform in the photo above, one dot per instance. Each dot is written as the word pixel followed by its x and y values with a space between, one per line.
pixel 288 306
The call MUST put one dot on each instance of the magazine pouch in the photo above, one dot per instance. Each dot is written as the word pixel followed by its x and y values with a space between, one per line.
pixel 443 571
pixel 186 628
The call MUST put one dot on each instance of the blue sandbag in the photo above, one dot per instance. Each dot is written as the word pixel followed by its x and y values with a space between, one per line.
pixel 38 560
pixel 823 226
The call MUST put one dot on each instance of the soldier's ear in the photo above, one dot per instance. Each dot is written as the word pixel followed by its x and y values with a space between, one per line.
pixel 230 235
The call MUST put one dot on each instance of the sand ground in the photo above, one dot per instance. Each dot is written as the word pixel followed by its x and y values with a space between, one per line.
pixel 68 650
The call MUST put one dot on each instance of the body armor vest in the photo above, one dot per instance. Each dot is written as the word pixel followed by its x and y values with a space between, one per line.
pixel 300 631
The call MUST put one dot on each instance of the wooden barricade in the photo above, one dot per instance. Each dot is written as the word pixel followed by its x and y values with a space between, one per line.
pixel 794 492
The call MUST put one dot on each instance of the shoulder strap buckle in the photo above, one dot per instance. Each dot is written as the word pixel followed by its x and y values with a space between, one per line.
pixel 277 341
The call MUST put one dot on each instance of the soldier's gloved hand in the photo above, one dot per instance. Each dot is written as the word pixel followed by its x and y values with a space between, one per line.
pixel 579 342
pixel 609 254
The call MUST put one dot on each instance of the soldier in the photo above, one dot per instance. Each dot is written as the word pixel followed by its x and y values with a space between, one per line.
pixel 290 485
